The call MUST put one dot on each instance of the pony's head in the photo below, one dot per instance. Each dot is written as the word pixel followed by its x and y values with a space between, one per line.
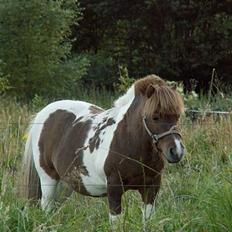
pixel 161 109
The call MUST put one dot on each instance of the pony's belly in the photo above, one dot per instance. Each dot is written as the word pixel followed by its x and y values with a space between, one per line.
pixel 95 181
pixel 94 185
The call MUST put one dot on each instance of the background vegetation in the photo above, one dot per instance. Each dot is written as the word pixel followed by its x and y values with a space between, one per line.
pixel 196 194
pixel 179 40
pixel 35 49
pixel 93 51
pixel 53 48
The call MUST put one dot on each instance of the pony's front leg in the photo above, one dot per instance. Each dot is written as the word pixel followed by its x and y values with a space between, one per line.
pixel 114 193
pixel 148 194
pixel 148 207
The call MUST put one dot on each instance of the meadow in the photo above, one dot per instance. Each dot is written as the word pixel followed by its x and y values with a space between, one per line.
pixel 196 194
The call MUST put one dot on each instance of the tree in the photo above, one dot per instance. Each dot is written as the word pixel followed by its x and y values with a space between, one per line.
pixel 179 40
pixel 35 46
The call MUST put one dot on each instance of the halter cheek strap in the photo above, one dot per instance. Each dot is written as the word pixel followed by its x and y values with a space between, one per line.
pixel 156 137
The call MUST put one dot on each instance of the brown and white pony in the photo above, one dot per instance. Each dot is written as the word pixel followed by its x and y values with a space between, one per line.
pixel 105 152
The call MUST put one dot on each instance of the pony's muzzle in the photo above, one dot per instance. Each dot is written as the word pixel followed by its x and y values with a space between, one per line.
pixel 176 153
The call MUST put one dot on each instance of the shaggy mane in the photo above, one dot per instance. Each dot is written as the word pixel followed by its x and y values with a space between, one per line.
pixel 164 99
pixel 138 87
pixel 142 84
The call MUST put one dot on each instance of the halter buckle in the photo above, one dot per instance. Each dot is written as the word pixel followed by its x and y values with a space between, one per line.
pixel 155 138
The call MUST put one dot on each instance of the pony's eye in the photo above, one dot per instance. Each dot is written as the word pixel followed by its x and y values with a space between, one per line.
pixel 155 118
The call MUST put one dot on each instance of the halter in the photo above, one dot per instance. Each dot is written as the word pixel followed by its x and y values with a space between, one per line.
pixel 156 137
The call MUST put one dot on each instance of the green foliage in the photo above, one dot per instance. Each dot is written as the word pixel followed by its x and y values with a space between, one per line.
pixel 38 103
pixel 124 80
pixel 35 45
pixel 179 40
pixel 191 98
pixel 102 71
pixel 195 194
pixel 4 83
pixel 68 75
pixel 218 208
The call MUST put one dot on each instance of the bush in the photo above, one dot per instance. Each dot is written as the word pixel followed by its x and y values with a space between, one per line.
pixel 103 71
pixel 4 83
pixel 35 47
pixel 178 40
pixel 67 77
pixel 125 81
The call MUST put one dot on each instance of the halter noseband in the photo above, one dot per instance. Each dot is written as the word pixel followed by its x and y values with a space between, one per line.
pixel 156 137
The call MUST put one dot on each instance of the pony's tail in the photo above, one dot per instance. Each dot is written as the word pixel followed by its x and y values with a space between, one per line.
pixel 30 184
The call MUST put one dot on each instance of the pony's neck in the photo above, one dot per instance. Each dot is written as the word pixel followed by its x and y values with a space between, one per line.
pixel 139 141
pixel 136 132
pixel 132 130
pixel 131 138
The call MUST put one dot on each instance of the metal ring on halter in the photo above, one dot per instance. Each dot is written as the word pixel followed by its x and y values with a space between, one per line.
pixel 155 138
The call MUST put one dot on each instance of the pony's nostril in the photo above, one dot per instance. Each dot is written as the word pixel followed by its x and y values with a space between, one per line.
pixel 173 152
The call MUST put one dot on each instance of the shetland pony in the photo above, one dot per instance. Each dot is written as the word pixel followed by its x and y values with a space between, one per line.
pixel 105 152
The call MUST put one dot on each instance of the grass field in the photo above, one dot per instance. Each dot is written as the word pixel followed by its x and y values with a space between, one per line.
pixel 196 194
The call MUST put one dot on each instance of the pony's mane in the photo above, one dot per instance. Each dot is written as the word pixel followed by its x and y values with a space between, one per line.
pixel 138 87
pixel 142 84
pixel 163 100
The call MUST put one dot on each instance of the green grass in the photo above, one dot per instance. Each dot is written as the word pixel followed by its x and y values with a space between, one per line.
pixel 196 194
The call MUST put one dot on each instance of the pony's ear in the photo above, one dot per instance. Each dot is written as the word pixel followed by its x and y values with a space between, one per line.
pixel 174 86
pixel 150 90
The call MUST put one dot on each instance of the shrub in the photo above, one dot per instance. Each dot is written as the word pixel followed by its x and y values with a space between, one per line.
pixel 35 45
pixel 124 80
pixel 102 71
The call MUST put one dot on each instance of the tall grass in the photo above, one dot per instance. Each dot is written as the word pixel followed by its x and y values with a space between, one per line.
pixel 196 194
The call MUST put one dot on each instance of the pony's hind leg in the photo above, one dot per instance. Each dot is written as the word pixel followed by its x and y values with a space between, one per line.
pixel 48 189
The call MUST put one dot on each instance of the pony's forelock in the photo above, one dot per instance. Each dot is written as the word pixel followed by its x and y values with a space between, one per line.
pixel 164 101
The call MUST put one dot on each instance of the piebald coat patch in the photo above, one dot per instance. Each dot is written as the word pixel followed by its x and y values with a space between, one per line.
pixel 73 153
